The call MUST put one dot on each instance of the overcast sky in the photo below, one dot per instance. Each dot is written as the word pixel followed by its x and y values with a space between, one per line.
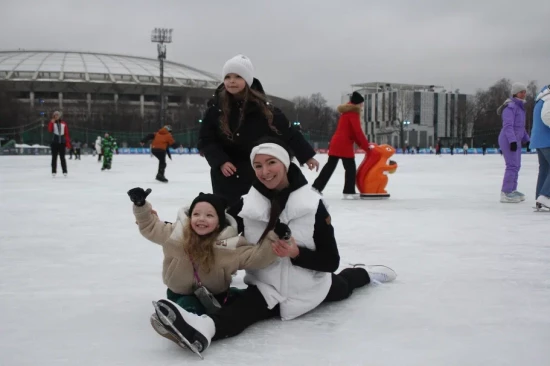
pixel 299 47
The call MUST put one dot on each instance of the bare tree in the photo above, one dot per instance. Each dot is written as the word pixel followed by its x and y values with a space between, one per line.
pixel 314 114
pixel 532 91
pixel 401 110
pixel 467 110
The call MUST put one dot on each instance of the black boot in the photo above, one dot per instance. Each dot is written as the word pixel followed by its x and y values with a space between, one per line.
pixel 160 176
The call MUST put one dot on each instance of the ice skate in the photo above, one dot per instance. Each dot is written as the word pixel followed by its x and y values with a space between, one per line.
pixel 381 274
pixel 162 331
pixel 520 195
pixel 161 178
pixel 509 198
pixel 194 331
pixel 53 175
pixel 65 175
pixel 350 196
pixel 544 201
pixel 542 204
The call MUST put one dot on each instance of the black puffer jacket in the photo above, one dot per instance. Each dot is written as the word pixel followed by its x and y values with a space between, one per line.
pixel 219 148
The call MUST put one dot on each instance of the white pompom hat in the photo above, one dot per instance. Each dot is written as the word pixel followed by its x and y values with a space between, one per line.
pixel 240 65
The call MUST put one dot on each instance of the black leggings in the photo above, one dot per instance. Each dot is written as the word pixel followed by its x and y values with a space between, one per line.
pixel 250 307
pixel 328 169
pixel 58 149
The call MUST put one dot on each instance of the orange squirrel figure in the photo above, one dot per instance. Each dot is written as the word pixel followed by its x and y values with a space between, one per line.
pixel 371 179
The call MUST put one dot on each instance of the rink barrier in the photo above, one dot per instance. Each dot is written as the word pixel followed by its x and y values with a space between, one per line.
pixel 187 151
pixel 445 150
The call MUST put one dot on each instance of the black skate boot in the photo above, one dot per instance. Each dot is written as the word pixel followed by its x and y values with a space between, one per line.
pixel 160 176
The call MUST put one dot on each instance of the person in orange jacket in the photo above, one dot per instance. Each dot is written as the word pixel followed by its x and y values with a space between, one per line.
pixel 341 146
pixel 60 140
pixel 162 141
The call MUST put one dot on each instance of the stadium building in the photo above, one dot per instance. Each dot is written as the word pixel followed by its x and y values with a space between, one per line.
pixel 99 91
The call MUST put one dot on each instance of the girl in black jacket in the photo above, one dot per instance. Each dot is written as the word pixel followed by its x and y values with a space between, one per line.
pixel 237 117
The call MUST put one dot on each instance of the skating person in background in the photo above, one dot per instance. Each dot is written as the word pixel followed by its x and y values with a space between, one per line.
pixel 540 140
pixel 108 147
pixel 465 148
pixel 302 278
pixel 348 132
pixel 202 248
pixel 98 148
pixel 162 141
pixel 512 136
pixel 60 140
pixel 484 147
pixel 239 115
pixel 76 147
pixel 438 147
pixel 71 152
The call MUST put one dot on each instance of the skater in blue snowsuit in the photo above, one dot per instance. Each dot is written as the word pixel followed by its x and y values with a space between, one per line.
pixel 540 140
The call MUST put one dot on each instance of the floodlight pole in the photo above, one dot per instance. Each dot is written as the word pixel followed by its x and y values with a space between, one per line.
pixel 161 36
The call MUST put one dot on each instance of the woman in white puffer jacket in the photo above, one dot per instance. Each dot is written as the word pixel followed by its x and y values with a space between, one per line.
pixel 302 278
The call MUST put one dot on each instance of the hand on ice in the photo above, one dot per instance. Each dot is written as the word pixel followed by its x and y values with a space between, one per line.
pixel 138 195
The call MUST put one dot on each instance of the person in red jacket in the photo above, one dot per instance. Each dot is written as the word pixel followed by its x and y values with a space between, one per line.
pixel 60 140
pixel 341 146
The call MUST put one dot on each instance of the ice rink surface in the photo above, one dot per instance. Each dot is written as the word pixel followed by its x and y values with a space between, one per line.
pixel 473 287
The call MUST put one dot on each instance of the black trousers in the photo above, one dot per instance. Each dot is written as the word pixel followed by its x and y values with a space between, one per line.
pixel 161 155
pixel 328 169
pixel 77 154
pixel 250 307
pixel 58 149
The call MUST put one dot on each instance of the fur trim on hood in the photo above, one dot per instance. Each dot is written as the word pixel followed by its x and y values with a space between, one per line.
pixel 543 93
pixel 505 104
pixel 348 107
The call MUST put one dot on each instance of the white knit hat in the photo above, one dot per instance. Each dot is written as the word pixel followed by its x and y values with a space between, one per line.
pixel 518 87
pixel 240 65
pixel 275 150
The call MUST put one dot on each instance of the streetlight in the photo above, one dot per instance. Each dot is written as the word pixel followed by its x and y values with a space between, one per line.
pixel 161 36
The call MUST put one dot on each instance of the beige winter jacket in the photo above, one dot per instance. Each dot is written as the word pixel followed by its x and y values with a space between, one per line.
pixel 231 252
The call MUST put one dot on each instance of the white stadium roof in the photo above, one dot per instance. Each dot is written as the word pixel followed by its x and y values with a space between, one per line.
pixel 98 68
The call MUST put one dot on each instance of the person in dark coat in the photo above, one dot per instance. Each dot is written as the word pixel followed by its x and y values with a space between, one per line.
pixel 238 115
pixel 162 141
pixel 341 146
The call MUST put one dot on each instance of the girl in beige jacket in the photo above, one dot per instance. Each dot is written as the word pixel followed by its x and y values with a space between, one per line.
pixel 202 248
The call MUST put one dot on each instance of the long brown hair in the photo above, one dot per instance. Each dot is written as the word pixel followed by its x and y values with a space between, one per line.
pixel 274 213
pixel 200 249
pixel 249 96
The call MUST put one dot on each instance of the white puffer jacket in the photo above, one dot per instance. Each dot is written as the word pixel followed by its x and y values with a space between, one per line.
pixel 297 290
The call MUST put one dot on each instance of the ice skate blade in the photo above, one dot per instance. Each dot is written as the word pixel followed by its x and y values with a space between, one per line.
pixel 374 196
pixel 167 324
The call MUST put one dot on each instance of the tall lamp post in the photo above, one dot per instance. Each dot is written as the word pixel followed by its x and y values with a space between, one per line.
pixel 161 36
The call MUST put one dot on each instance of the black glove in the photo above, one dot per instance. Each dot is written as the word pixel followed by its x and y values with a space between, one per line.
pixel 282 231
pixel 513 146
pixel 138 195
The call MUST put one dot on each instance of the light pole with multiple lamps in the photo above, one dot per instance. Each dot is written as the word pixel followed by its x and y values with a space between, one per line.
pixel 161 36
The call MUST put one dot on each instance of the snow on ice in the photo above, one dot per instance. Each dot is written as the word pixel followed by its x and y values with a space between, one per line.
pixel 473 286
